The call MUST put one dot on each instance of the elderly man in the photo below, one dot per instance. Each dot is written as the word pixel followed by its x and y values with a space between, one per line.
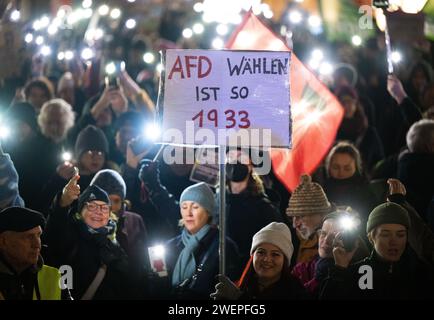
pixel 307 207
pixel 23 276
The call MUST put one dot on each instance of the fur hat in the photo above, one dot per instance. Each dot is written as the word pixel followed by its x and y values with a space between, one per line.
pixel 111 182
pixel 276 233
pixel 386 213
pixel 308 199
pixel 91 138
pixel 20 219
pixel 200 193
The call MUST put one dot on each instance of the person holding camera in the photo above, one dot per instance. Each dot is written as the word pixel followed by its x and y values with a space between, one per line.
pixel 390 272
pixel 313 272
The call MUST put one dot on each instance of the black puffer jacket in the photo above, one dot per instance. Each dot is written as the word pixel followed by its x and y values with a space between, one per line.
pixel 246 214
pixel 416 172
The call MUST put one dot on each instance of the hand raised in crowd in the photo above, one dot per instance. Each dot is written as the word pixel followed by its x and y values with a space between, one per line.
pixel 132 158
pixel 65 170
pixel 342 257
pixel 118 100
pixel 395 88
pixel 225 289
pixel 149 173
pixel 70 192
pixel 130 86
pixel 396 187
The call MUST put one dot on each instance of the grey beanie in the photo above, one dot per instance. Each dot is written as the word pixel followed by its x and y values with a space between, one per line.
pixel 200 193
pixel 276 233
pixel 111 182
pixel 91 138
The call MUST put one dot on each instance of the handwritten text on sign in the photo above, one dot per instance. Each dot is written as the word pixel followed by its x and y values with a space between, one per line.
pixel 229 91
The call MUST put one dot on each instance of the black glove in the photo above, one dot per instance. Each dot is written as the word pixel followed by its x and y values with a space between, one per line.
pixel 322 268
pixel 150 174
pixel 109 252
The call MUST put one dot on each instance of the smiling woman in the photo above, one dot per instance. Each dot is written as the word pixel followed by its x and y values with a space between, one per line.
pixel 267 274
pixel 85 239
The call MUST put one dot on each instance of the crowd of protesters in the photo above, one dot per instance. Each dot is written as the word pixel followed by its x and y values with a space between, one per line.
pixel 100 211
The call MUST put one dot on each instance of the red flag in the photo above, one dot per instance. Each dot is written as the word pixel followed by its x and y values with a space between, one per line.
pixel 316 113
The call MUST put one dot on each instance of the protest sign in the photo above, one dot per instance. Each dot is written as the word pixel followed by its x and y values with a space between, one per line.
pixel 213 96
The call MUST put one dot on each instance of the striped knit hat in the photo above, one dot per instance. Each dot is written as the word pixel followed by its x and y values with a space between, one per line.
pixel 308 199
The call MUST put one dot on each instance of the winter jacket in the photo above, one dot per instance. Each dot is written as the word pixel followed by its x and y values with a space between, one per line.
pixel 420 236
pixel 132 237
pixel 287 288
pixel 38 282
pixel 408 278
pixel 9 193
pixel 416 172
pixel 203 282
pixel 245 215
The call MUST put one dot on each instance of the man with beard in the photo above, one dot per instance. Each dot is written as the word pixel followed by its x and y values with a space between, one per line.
pixel 307 207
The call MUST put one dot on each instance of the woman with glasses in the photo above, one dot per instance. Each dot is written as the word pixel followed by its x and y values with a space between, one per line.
pixel 85 239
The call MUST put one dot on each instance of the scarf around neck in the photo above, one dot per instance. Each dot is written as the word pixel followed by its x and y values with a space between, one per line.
pixel 186 264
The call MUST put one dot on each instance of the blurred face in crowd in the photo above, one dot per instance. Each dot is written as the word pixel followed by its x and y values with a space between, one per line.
pixel 194 216
pixel 91 161
pixel 342 166
pixel 116 203
pixel 21 249
pixel 104 118
pixel 37 97
pixel 123 135
pixel 428 98
pixel 307 225
pixel 96 214
pixel 22 131
pixel 327 234
pixel 55 125
pixel 350 106
pixel 389 241
pixel 268 262
pixel 419 80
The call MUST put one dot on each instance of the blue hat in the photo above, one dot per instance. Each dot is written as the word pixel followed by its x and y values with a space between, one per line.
pixel 200 193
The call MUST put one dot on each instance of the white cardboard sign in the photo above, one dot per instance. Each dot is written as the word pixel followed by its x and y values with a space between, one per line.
pixel 226 94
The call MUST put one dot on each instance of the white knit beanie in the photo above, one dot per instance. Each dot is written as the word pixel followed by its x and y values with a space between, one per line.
pixel 276 233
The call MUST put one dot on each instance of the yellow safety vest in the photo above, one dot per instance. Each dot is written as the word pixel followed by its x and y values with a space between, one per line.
pixel 49 284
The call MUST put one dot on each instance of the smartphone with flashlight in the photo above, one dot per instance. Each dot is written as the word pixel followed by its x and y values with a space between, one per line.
pixel 157 260
pixel 140 145
pixel 112 82
pixel 113 69
pixel 350 226
pixel 349 238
